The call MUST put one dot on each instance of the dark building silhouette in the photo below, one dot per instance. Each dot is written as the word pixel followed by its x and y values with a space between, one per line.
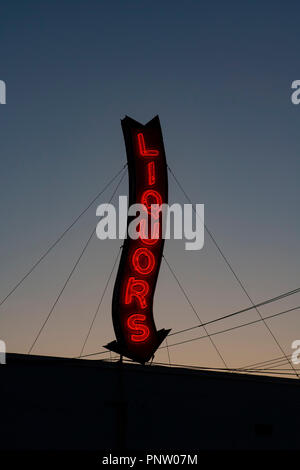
pixel 52 403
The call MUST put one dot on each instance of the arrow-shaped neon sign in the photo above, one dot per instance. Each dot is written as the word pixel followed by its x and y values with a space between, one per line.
pixel 132 307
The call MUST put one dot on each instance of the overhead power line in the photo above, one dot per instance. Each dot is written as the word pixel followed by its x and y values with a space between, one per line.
pixel 217 333
pixel 269 362
pixel 219 369
pixel 229 265
pixel 236 370
pixel 276 364
pixel 248 371
pixel 238 312
pixel 92 354
pixel 232 328
pixel 53 245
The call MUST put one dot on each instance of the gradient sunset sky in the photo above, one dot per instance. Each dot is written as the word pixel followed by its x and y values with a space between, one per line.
pixel 219 75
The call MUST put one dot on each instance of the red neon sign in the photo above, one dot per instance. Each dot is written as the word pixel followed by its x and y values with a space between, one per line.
pixel 149 198
pixel 142 147
pixel 137 288
pixel 154 238
pixel 132 308
pixel 143 261
pixel 151 173
pixel 135 323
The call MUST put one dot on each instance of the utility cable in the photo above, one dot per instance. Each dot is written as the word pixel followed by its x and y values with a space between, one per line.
pixel 43 256
pixel 218 332
pixel 70 275
pixel 232 328
pixel 224 317
pixel 100 302
pixel 194 310
pixel 234 273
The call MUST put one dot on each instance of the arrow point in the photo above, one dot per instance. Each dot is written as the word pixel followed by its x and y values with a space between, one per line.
pixel 162 334
pixel 114 347
pixel 117 348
